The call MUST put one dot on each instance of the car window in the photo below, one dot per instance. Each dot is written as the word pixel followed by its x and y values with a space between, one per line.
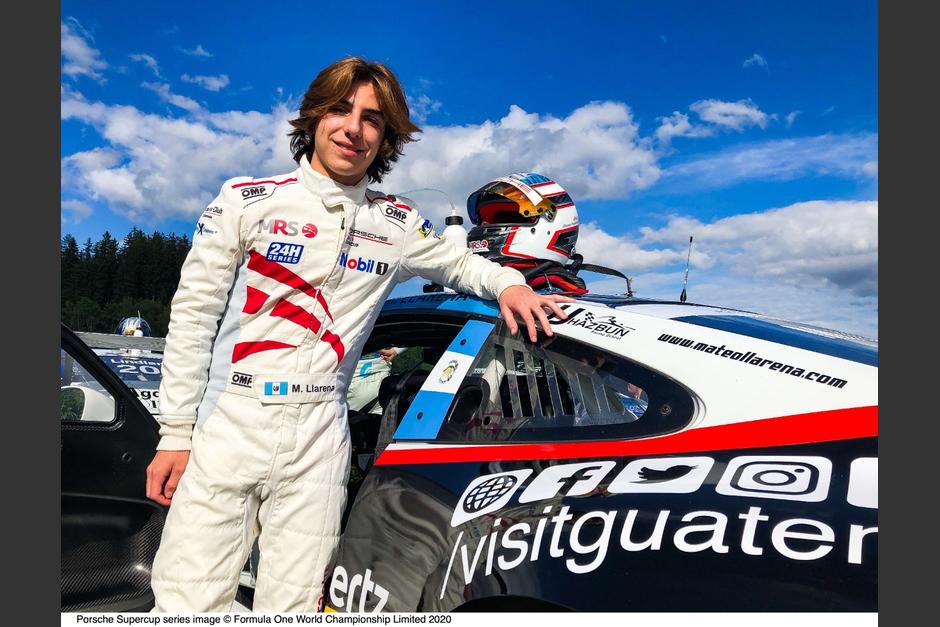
pixel 81 396
pixel 561 389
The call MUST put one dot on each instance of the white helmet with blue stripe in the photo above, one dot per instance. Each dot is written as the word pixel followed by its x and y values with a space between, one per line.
pixel 522 219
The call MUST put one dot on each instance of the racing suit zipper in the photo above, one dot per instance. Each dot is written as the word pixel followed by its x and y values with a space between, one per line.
pixel 325 283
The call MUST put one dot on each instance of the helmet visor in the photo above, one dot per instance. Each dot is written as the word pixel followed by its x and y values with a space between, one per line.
pixel 503 203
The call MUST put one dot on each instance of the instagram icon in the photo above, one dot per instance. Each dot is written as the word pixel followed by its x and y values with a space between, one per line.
pixel 788 478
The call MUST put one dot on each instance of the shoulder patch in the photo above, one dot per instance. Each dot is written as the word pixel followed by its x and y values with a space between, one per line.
pixel 395 209
pixel 252 190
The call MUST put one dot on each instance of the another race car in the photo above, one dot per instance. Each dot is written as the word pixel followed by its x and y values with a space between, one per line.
pixel 649 456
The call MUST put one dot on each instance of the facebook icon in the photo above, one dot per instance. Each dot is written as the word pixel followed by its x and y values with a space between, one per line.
pixel 275 388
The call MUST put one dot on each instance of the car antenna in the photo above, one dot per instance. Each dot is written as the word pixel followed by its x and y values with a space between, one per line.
pixel 682 296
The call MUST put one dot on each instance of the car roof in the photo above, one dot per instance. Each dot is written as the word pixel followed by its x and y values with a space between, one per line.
pixel 741 322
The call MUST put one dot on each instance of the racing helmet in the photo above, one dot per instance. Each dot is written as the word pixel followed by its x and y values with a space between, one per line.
pixel 521 219
pixel 133 326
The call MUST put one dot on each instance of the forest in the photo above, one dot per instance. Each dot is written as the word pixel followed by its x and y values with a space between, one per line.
pixel 105 281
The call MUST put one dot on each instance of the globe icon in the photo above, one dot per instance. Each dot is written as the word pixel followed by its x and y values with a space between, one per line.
pixel 488 492
pixel 309 230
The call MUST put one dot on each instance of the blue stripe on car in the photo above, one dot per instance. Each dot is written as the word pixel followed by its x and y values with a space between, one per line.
pixel 773 332
pixel 426 413
pixel 443 302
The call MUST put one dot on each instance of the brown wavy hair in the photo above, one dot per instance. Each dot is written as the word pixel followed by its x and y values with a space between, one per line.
pixel 329 88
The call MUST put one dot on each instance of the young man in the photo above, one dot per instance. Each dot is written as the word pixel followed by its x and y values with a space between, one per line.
pixel 285 278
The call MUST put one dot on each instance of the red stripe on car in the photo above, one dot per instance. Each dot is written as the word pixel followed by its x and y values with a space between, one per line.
pixel 824 426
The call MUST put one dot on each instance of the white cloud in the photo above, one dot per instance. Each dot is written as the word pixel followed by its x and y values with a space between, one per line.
pixel 157 168
pixel 755 59
pixel 81 59
pixel 198 51
pixel 595 152
pixel 813 305
pixel 623 253
pixel 163 90
pixel 808 244
pixel 210 83
pixel 844 156
pixel 812 262
pixel 734 115
pixel 422 106
pixel 149 61
pixel 678 125
pixel 790 117
pixel 74 211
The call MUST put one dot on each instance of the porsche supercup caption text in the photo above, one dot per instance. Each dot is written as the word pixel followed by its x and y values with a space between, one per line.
pixel 259 619
pixel 752 358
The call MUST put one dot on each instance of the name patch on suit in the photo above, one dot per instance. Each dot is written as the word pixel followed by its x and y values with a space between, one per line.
pixel 295 388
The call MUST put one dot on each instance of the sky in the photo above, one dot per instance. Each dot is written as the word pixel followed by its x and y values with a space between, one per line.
pixel 751 126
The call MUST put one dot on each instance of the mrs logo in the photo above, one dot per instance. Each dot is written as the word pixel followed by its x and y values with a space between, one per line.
pixel 283 227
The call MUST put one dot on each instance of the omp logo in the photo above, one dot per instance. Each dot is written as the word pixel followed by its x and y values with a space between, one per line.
pixel 275 388
pixel 363 265
pixel 253 192
pixel 487 494
pixel 282 252
pixel 787 478
pixel 396 214
pixel 604 325
pixel 241 379
pixel 343 589
pixel 283 227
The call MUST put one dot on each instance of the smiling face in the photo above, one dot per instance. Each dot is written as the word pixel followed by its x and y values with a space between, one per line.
pixel 348 136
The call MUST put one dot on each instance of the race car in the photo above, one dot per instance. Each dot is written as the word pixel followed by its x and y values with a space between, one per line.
pixel 649 456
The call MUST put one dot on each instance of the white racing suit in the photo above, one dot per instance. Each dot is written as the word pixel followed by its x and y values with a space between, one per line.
pixel 280 290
